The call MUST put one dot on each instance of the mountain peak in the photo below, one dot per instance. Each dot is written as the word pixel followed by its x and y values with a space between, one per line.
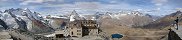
pixel 178 12
pixel 136 13
pixel 96 13
pixel 74 13
pixel 26 9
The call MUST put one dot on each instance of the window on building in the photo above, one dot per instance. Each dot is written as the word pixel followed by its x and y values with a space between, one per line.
pixel 71 33
pixel 78 33
pixel 74 24
pixel 78 30
pixel 84 22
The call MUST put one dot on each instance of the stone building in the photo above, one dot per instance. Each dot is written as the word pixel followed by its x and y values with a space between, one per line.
pixel 89 27
pixel 80 28
pixel 75 29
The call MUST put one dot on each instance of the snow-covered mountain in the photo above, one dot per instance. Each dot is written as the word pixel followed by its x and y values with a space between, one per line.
pixel 9 20
pixel 75 16
pixel 25 20
pixel 98 14
pixel 133 18
pixel 132 13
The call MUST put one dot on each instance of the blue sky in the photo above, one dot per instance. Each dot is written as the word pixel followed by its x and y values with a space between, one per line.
pixel 92 6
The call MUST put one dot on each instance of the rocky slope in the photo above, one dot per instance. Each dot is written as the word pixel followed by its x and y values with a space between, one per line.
pixel 125 24
pixel 110 27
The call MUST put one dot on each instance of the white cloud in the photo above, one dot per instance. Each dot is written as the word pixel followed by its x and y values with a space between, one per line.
pixel 31 1
pixel 91 7
pixel 78 6
pixel 159 2
pixel 84 7
pixel 87 5
pixel 113 1
pixel 26 2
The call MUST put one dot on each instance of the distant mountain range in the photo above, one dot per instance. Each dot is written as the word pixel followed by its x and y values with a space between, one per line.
pixel 24 19
pixel 165 21
pixel 134 18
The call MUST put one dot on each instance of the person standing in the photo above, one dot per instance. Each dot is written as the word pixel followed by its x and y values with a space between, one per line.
pixel 177 20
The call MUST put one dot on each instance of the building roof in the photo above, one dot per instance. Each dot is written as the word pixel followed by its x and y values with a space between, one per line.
pixel 87 24
pixel 74 24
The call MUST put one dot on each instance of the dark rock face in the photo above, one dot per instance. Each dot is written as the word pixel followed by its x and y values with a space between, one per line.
pixel 22 24
pixel 173 36
pixel 39 27
pixel 63 25
pixel 3 24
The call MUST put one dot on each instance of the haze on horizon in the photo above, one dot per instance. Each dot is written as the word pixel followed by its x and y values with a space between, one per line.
pixel 162 7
